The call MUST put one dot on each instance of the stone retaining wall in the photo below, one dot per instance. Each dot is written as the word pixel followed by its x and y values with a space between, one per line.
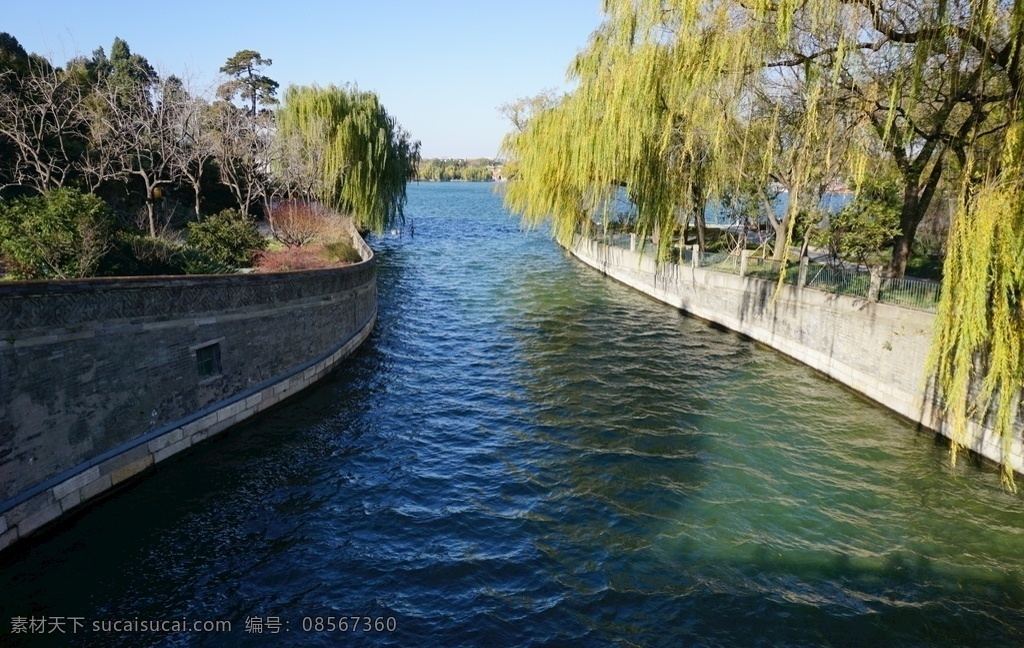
pixel 102 378
pixel 877 349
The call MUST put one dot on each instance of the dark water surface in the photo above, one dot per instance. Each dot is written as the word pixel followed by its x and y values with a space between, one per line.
pixel 526 453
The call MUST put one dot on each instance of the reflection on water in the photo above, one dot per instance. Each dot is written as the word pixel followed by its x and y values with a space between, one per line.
pixel 526 453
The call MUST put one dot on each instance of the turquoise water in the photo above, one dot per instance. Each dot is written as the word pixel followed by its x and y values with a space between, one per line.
pixel 526 453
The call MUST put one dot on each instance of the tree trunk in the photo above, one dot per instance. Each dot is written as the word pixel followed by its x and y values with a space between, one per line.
pixel 910 216
pixel 150 213
pixel 697 194
pixel 701 227
pixel 197 186
pixel 268 212
pixel 915 205
pixel 684 230
pixel 917 196
pixel 782 228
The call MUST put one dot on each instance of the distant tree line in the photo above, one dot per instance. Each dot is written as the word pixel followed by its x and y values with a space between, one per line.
pixel 447 169
pixel 107 157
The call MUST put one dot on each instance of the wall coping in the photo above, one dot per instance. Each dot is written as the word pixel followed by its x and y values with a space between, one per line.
pixel 93 284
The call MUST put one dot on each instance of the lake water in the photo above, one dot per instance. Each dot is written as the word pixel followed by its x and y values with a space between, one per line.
pixel 526 453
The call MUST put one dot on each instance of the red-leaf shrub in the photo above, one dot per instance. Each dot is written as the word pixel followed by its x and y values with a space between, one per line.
pixel 297 223
pixel 308 257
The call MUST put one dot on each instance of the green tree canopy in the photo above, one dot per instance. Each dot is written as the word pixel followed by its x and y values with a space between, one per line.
pixel 360 156
pixel 246 81
pixel 12 55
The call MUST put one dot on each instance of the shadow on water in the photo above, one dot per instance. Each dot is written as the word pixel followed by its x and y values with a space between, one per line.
pixel 528 454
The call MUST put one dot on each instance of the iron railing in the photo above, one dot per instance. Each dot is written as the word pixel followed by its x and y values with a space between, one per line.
pixel 840 280
pixel 909 292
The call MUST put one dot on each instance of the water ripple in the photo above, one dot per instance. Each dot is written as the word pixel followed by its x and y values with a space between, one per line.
pixel 528 454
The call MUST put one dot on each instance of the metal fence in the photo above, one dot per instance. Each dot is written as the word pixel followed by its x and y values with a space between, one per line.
pixel 767 269
pixel 840 280
pixel 721 261
pixel 909 292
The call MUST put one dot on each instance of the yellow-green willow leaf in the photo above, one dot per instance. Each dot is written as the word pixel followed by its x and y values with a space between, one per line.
pixel 679 101
pixel 361 156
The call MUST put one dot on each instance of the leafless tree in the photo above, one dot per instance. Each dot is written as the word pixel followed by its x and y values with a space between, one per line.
pixel 243 146
pixel 189 117
pixel 134 131
pixel 42 117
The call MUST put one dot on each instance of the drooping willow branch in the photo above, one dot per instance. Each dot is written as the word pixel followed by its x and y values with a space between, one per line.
pixel 686 100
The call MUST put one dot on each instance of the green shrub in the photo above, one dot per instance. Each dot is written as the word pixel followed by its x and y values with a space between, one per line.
pixel 228 238
pixel 867 225
pixel 61 234
pixel 134 255
pixel 195 261
pixel 342 252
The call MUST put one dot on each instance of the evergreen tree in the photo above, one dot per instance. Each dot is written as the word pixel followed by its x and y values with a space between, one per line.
pixel 246 81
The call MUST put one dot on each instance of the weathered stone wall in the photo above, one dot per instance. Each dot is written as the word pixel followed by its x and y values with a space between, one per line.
pixel 101 378
pixel 877 349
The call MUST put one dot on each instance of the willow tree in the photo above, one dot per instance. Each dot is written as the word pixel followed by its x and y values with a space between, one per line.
pixel 663 107
pixel 341 146
pixel 666 104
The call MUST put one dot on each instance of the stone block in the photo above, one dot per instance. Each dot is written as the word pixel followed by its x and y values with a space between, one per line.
pixel 230 411
pixel 189 429
pixel 33 522
pixel 61 490
pixel 8 537
pixel 29 508
pixel 235 408
pixel 207 421
pixel 221 426
pixel 130 470
pixel 246 413
pixel 72 500
pixel 126 458
pixel 268 402
pixel 165 440
pixel 173 449
pixel 254 400
pixel 3 524
pixel 92 489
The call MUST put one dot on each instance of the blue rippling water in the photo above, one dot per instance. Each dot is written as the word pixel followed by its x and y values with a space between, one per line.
pixel 528 454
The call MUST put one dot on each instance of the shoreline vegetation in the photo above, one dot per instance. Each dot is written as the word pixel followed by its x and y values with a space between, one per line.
pixel 917 106
pixel 108 168
pixel 460 170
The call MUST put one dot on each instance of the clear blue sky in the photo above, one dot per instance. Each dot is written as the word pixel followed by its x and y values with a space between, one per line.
pixel 441 67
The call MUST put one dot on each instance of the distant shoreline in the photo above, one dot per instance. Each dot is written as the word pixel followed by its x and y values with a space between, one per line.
pixel 455 180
